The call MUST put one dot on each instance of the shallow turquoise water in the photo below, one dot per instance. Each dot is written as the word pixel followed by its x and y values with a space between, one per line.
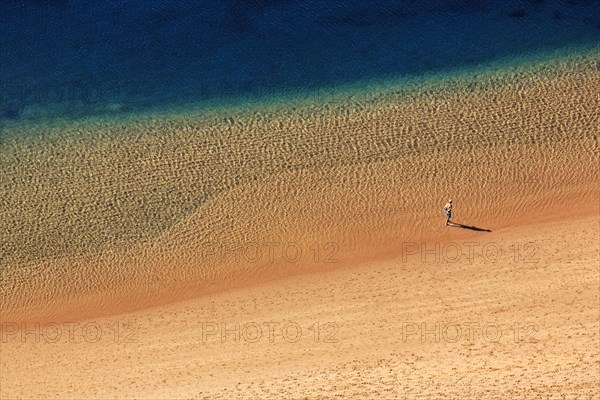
pixel 77 58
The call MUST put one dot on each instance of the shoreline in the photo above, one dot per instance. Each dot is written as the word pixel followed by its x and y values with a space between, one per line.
pixel 361 175
pixel 403 249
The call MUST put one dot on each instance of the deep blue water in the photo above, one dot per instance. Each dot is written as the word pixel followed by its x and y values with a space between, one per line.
pixel 113 56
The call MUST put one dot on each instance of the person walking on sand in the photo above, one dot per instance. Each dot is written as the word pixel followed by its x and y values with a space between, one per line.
pixel 448 211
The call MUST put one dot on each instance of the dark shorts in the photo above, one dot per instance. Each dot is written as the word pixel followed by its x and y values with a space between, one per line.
pixel 448 214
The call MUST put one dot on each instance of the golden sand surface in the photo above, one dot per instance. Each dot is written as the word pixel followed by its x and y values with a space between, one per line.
pixel 300 212
pixel 515 318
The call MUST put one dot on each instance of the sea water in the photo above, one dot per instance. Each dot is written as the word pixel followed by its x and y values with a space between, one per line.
pixel 73 59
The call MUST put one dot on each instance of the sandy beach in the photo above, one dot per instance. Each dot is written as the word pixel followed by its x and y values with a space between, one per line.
pixel 299 250
pixel 520 321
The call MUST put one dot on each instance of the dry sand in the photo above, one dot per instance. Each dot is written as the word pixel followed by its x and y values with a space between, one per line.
pixel 310 213
pixel 517 319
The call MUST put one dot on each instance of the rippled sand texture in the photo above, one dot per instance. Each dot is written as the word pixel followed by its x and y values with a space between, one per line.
pixel 108 216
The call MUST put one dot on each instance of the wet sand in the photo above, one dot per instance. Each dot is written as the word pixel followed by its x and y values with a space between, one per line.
pixel 301 212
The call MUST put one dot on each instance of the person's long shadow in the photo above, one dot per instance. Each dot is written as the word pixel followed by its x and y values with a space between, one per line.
pixel 473 228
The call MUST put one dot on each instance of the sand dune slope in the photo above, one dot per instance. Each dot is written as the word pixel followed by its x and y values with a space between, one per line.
pixel 515 317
